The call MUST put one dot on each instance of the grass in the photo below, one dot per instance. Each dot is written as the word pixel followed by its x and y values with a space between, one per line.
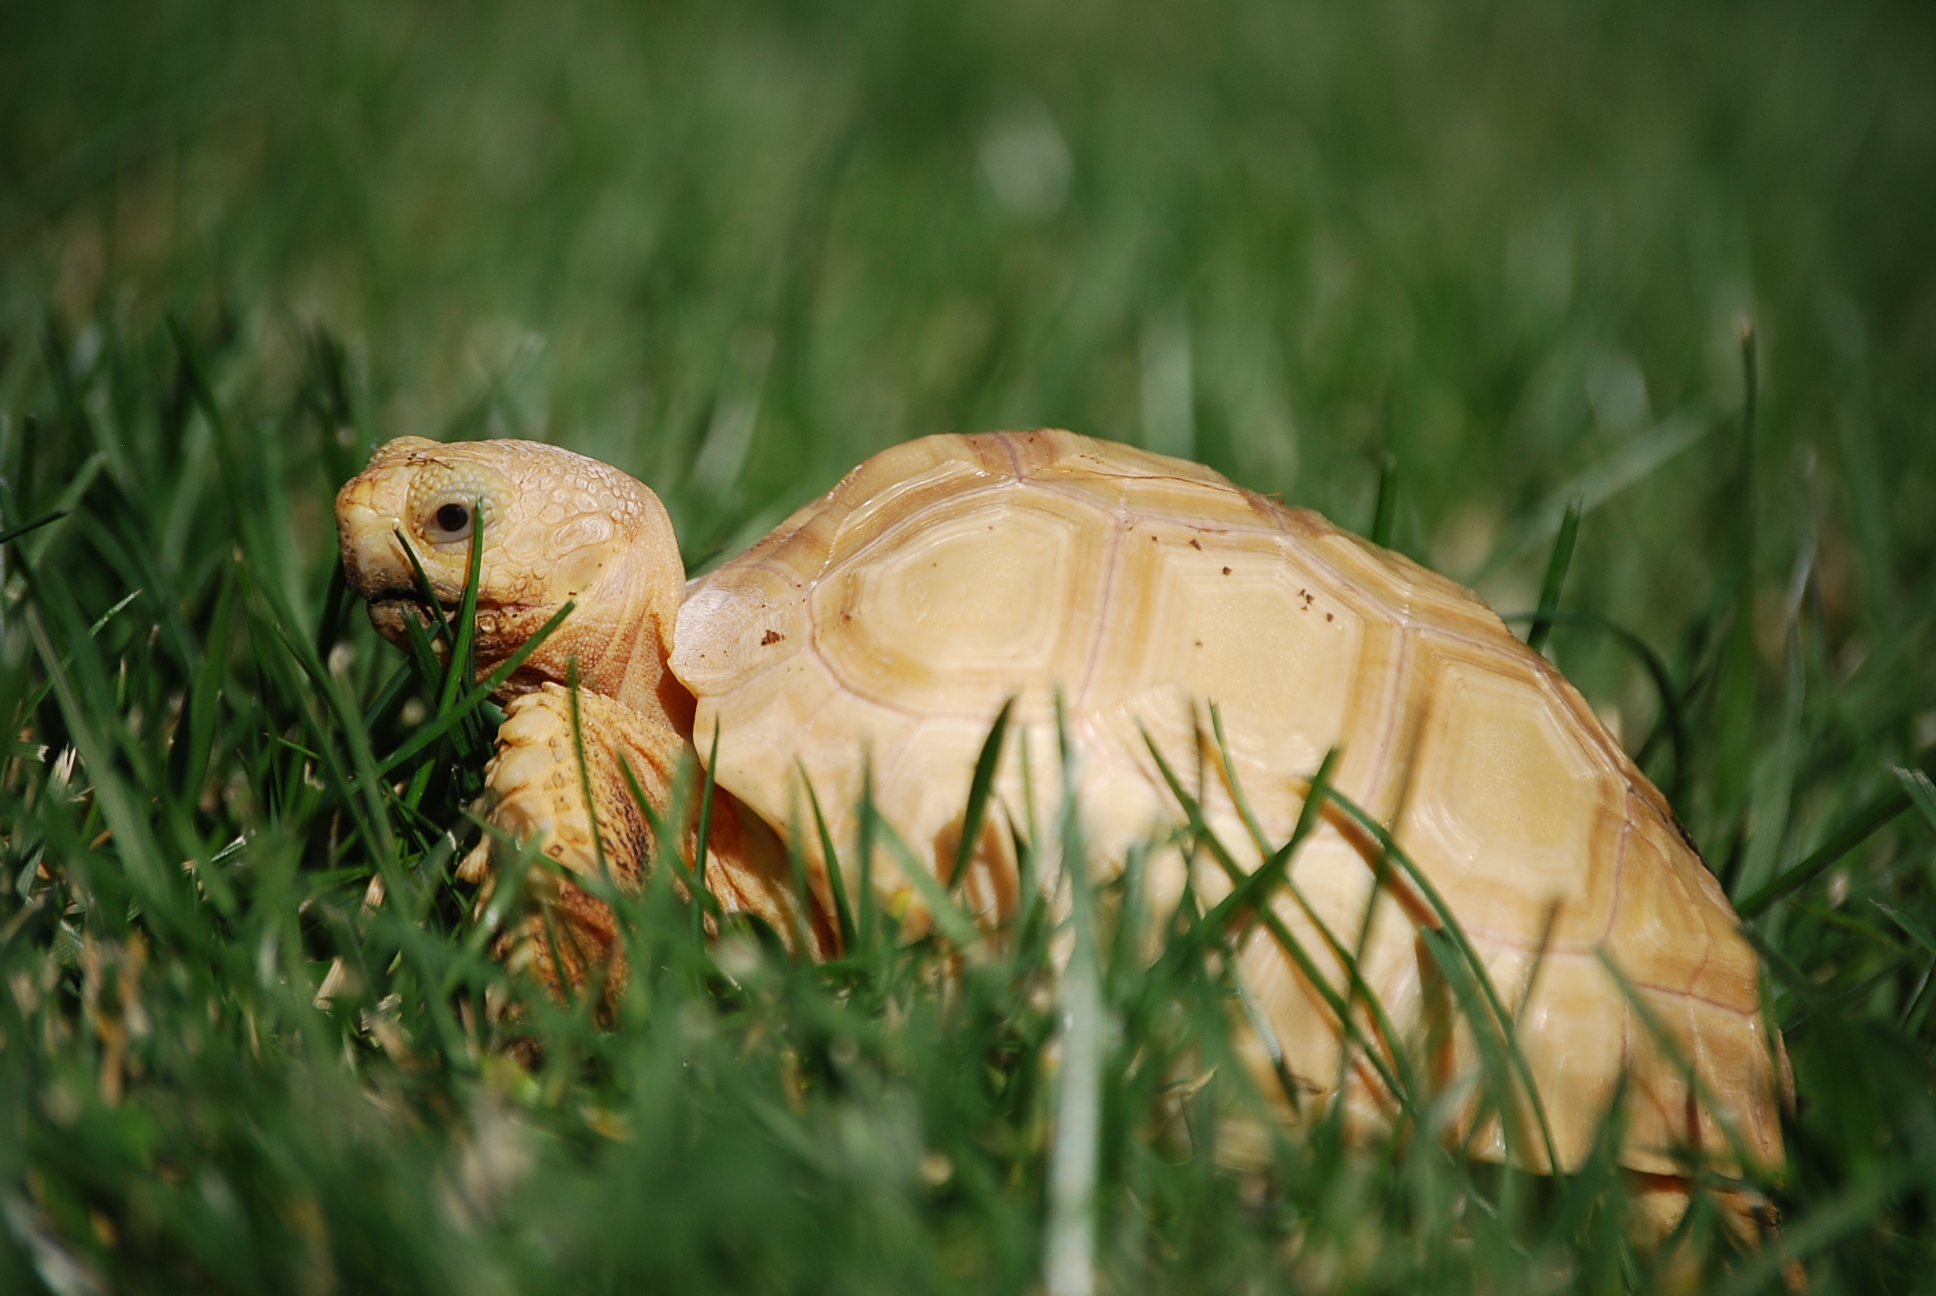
pixel 1468 276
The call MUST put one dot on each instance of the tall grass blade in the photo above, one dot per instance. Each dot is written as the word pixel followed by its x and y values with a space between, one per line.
pixel 836 882
pixel 584 765
pixel 1852 832
pixel 436 728
pixel 1068 1263
pixel 1549 589
pixel 1920 791
pixel 1501 1021
pixel 25 528
pixel 1287 941
pixel 978 791
pixel 1384 518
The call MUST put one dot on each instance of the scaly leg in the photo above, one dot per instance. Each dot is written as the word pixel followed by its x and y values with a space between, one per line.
pixel 535 792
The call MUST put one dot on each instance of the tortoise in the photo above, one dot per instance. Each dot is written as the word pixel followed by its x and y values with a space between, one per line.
pixel 890 620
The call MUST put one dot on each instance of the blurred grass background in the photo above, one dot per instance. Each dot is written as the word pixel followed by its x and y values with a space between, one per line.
pixel 734 248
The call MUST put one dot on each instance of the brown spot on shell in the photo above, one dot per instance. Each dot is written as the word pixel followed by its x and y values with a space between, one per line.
pixel 1226 571
pixel 771 637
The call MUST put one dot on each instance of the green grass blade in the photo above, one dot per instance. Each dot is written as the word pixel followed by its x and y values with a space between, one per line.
pixel 1749 1164
pixel 434 729
pixel 1286 940
pixel 1503 1022
pixel 391 693
pixel 1075 1153
pixel 584 765
pixel 205 696
pixel 1920 791
pixel 949 919
pixel 433 606
pixel 978 790
pixel 864 918
pixel 1237 794
pixel 1549 589
pixel 462 670
pixel 666 844
pixel 15 532
pixel 704 841
pixel 843 916
pixel 1384 518
pixel 1917 930
pixel 1852 832
pixel 120 806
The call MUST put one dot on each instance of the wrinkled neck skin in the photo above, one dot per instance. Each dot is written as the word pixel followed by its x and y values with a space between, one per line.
pixel 619 633
pixel 621 637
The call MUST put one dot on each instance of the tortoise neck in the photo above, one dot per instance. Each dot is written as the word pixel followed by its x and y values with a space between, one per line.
pixel 629 651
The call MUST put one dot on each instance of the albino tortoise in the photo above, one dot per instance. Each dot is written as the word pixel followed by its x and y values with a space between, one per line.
pixel 890 619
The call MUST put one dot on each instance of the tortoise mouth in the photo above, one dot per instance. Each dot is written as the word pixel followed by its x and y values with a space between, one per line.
pixel 389 608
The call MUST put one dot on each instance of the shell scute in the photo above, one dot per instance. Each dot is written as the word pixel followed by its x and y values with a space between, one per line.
pixel 1574 1036
pixel 1411 593
pixel 1294 663
pixel 945 614
pixel 732 629
pixel 1657 930
pixel 1507 809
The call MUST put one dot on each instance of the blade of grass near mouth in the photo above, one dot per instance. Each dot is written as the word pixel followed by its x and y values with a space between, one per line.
pixel 434 729
pixel 433 606
pixel 464 645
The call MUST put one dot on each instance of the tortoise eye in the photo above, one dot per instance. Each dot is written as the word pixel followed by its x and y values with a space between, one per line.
pixel 450 522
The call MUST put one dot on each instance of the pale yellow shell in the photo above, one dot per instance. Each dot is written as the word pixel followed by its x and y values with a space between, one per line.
pixel 890 620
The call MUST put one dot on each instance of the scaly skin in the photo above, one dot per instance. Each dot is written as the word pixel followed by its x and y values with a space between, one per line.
pixel 560 528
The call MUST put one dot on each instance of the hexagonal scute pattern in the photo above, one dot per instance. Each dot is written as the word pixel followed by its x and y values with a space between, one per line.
pixel 1508 810
pixel 882 627
pixel 948 612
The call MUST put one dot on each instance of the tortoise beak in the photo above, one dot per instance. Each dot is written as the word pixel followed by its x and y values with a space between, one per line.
pixel 368 517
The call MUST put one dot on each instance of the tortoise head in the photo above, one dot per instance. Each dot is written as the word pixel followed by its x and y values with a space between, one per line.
pixel 556 527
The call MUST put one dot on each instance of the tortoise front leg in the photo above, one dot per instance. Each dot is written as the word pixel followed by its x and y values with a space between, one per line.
pixel 535 797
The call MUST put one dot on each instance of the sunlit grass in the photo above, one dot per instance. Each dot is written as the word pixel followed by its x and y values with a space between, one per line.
pixel 1502 255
